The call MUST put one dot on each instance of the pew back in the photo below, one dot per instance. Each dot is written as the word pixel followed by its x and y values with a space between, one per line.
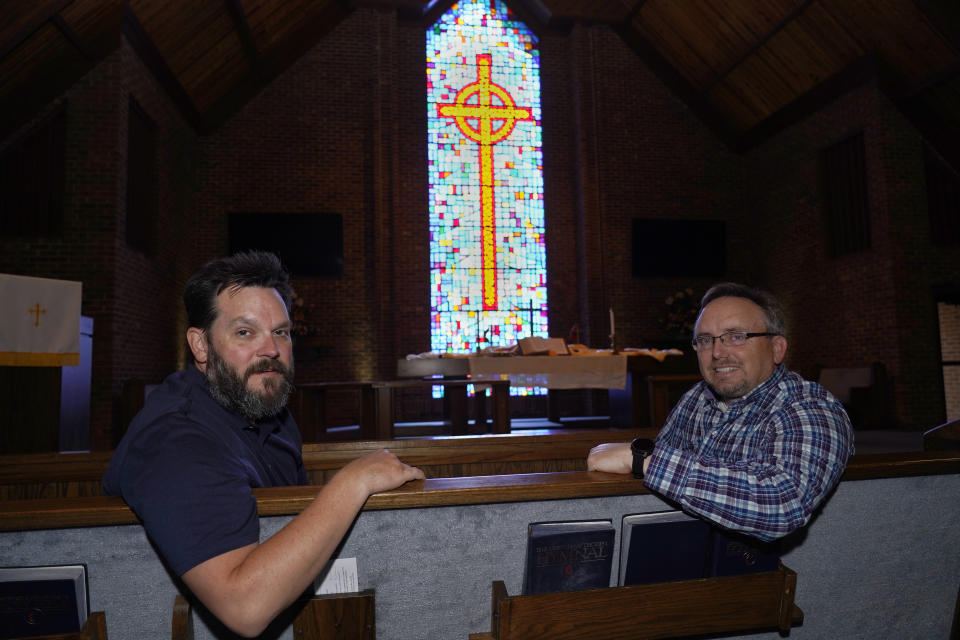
pixel 56 475
pixel 52 475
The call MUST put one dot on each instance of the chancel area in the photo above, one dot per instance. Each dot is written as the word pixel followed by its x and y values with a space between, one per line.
pixel 499 218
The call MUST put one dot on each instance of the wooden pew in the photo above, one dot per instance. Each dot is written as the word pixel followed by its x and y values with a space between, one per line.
pixel 473 455
pixel 52 475
pixel 839 547
pixel 55 475
pixel 54 513
pixel 665 610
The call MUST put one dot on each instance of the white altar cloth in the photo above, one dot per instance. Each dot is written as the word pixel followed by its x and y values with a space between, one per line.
pixel 552 372
pixel 39 321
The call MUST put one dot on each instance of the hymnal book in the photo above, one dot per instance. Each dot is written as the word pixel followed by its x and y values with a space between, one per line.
pixel 537 346
pixel 734 554
pixel 37 601
pixel 568 556
pixel 662 546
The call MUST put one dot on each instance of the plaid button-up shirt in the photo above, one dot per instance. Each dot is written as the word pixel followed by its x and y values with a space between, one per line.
pixel 759 465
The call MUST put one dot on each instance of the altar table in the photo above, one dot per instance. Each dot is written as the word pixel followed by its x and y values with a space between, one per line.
pixel 551 372
pixel 607 371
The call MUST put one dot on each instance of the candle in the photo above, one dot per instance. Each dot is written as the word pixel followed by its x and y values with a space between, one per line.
pixel 612 332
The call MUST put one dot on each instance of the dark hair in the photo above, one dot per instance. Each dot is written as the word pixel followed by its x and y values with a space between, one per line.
pixel 763 299
pixel 241 270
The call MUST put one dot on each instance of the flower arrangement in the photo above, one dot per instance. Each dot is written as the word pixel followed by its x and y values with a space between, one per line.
pixel 681 313
pixel 299 317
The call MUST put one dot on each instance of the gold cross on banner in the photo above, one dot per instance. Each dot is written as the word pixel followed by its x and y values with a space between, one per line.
pixel 36 311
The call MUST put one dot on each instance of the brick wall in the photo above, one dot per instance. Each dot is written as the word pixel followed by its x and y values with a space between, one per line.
pixel 133 299
pixel 877 305
pixel 949 321
pixel 342 131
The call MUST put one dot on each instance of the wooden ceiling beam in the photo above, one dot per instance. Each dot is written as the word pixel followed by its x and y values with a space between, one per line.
pixel 944 16
pixel 148 53
pixel 71 36
pixel 944 77
pixel 856 74
pixel 760 43
pixel 675 82
pixel 243 30
pixel 269 65
pixel 27 23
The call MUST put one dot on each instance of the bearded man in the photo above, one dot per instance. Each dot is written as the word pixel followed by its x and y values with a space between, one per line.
pixel 211 433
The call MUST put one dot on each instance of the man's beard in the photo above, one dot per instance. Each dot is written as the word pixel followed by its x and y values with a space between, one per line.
pixel 229 388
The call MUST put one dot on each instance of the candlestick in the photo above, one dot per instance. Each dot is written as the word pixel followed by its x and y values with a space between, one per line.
pixel 613 333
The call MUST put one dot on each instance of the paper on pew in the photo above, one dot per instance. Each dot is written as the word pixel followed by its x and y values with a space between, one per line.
pixel 341 578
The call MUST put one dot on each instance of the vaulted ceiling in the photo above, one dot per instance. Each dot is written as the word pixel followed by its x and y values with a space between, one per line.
pixel 745 67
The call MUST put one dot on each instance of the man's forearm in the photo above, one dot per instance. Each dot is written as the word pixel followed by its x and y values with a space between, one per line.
pixel 762 499
pixel 248 587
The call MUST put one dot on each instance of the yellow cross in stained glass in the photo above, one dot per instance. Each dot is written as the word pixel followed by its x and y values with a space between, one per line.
pixel 475 118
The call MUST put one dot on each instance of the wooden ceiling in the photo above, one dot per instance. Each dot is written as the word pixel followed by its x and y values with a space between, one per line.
pixel 745 67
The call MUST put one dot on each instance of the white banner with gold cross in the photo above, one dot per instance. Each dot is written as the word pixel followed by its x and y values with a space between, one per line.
pixel 39 322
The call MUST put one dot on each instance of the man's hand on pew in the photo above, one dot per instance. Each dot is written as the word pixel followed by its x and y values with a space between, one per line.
pixel 381 471
pixel 612 457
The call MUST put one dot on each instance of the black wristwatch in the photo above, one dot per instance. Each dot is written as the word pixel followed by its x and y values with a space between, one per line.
pixel 641 448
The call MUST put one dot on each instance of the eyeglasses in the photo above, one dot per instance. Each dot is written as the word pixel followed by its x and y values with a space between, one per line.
pixel 729 338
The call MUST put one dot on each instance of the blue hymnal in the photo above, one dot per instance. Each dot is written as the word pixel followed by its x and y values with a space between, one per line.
pixel 662 546
pixel 42 600
pixel 568 556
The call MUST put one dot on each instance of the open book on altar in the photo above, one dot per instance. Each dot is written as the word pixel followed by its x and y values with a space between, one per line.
pixel 537 346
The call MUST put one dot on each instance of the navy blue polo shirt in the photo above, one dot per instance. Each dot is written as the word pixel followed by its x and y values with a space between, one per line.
pixel 186 467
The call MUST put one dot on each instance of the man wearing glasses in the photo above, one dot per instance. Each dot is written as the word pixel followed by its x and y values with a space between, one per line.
pixel 753 447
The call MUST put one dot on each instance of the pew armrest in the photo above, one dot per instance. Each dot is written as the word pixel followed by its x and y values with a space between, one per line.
pixel 182 628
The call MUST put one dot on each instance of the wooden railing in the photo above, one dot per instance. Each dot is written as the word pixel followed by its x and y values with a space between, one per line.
pixel 473 455
pixel 75 475
pixel 48 513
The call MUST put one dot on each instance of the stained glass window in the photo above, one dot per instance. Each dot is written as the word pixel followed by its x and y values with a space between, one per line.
pixel 487 254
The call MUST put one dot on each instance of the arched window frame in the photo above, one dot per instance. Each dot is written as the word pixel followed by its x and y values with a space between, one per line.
pixel 487 248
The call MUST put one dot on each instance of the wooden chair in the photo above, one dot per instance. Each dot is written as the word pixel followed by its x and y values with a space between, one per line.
pixel 344 616
pixel 666 610
pixel 945 437
pixel 864 392
pixel 95 628
pixel 309 406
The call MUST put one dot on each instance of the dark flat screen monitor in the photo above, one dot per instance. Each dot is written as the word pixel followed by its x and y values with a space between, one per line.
pixel 679 248
pixel 308 244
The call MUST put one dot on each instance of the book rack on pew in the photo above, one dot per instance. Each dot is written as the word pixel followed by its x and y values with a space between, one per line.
pixel 665 610
pixel 343 616
pixel 95 628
